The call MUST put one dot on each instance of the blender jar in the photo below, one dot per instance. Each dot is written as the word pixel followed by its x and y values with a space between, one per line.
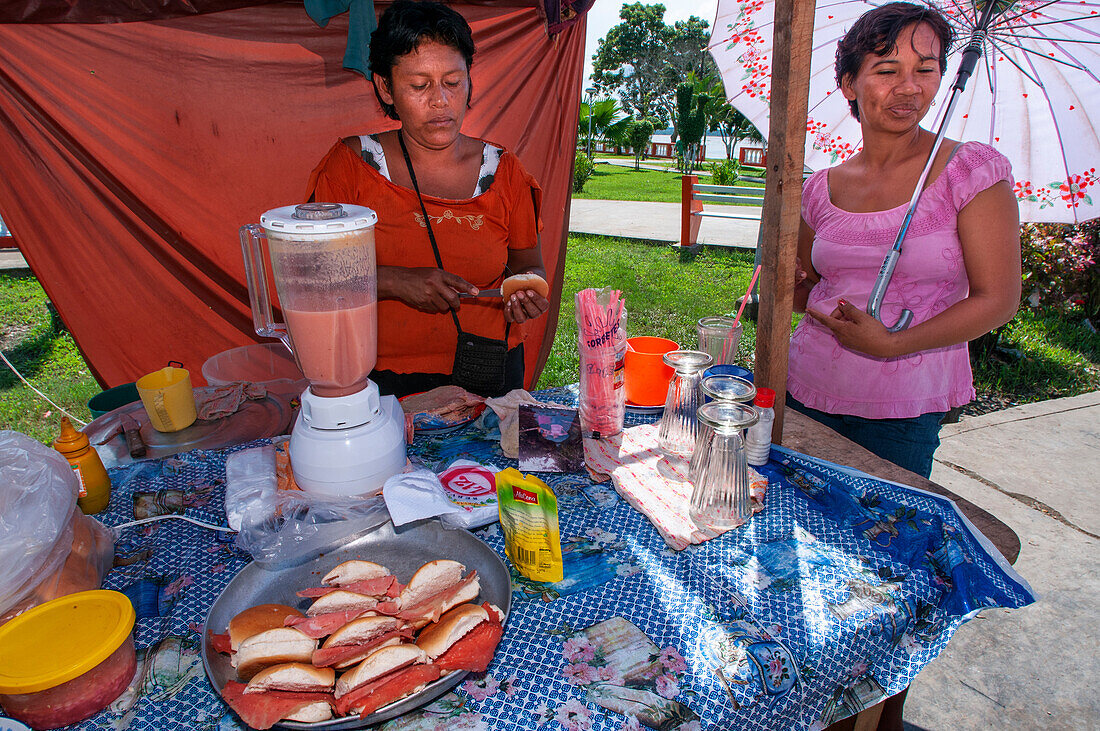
pixel 323 264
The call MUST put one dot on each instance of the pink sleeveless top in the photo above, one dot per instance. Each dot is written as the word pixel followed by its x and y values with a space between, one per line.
pixel 848 250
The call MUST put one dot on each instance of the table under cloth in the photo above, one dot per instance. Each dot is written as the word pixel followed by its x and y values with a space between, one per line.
pixel 829 600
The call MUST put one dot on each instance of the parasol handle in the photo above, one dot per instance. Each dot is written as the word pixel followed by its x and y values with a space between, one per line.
pixel 874 305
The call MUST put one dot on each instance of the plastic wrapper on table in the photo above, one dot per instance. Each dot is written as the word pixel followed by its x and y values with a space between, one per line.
pixel 601 347
pixel 48 548
pixel 287 527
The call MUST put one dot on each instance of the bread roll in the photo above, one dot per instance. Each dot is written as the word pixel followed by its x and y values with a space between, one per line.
pixel 518 282
pixel 257 619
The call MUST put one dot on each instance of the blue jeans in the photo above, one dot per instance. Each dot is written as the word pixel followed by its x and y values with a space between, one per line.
pixel 908 443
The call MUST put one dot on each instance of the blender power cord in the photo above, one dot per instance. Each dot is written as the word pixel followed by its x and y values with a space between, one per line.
pixel 117 529
pixel 31 387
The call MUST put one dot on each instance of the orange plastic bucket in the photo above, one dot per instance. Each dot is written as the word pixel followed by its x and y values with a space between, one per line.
pixel 646 377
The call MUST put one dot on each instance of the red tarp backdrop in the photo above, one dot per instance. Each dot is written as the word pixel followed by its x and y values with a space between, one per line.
pixel 130 153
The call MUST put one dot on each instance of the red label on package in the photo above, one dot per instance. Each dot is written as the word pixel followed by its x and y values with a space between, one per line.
pixel 525 496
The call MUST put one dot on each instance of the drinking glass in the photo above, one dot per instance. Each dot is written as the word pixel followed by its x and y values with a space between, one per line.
pixel 720 497
pixel 677 431
pixel 727 388
pixel 713 332
pixel 718 389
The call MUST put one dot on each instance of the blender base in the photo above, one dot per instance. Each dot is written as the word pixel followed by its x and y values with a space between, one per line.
pixel 346 462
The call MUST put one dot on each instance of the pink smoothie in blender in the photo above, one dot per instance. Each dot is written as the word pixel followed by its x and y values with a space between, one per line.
pixel 336 349
pixel 347 439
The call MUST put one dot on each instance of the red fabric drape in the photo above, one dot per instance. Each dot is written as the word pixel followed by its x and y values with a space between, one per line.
pixel 131 153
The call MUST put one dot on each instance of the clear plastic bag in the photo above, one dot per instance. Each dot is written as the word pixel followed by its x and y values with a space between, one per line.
pixel 283 528
pixel 48 548
pixel 601 348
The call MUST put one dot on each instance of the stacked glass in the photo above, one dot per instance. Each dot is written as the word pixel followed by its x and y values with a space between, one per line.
pixel 720 472
pixel 678 429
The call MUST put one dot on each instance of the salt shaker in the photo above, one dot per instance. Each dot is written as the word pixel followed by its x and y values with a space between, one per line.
pixel 720 497
pixel 679 426
pixel 758 441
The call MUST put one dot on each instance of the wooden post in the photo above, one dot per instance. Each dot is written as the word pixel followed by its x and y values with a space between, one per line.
pixel 689 224
pixel 792 42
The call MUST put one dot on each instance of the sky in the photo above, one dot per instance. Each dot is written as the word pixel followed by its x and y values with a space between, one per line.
pixel 605 14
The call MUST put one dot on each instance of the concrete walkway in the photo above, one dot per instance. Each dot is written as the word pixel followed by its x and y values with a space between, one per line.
pixel 12 259
pixel 657 222
pixel 1036 468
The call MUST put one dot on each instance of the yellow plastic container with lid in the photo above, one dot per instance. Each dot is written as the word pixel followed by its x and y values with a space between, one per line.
pixel 66 660
pixel 95 486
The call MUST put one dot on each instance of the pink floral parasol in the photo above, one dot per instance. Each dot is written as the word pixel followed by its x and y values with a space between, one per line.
pixel 1035 94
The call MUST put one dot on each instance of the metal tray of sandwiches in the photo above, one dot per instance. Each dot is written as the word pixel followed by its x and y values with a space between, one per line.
pixel 402 551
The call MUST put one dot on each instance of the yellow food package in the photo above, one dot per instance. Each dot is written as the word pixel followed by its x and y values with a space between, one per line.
pixel 529 517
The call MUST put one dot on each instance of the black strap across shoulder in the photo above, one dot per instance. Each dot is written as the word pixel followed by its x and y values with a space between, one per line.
pixel 428 224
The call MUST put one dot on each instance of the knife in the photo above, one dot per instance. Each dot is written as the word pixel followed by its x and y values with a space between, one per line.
pixel 480 294
pixel 132 431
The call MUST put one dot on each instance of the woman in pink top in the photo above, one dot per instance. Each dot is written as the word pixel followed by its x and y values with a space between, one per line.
pixel 959 272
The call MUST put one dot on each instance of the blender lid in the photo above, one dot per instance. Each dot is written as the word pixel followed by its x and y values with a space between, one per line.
pixel 319 218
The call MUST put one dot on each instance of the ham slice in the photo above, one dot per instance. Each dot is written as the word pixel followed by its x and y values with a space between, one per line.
pixel 381 586
pixel 432 607
pixel 322 625
pixel 475 650
pixel 325 656
pixel 220 642
pixel 387 689
pixel 264 710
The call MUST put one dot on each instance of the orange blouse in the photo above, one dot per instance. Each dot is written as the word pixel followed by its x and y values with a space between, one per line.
pixel 473 235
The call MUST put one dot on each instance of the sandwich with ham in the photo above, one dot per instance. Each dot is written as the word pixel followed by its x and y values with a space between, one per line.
pixel 286 692
pixel 464 638
pixel 272 647
pixel 383 677
pixel 385 641
pixel 436 587
pixel 252 621
pixel 361 577
pixel 332 611
pixel 358 638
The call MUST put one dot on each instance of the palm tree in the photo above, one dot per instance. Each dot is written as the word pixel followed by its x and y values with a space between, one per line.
pixel 606 124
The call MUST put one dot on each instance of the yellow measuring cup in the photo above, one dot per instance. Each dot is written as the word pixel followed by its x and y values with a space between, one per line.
pixel 168 398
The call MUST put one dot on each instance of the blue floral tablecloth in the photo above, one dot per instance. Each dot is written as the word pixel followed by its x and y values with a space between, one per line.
pixel 831 599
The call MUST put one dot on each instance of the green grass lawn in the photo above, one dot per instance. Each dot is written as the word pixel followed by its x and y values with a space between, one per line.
pixel 38 346
pixel 1048 356
pixel 617 183
pixel 664 296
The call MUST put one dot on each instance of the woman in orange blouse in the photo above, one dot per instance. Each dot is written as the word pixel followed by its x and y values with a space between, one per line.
pixel 482 205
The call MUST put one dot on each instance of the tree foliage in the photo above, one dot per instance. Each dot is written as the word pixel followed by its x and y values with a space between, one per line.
pixel 607 124
pixel 731 125
pixel 638 134
pixel 642 59
pixel 691 115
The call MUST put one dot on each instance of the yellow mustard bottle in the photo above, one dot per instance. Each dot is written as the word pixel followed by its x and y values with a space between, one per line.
pixel 95 485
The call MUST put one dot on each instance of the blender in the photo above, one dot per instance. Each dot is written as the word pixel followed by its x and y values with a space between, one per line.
pixel 347 440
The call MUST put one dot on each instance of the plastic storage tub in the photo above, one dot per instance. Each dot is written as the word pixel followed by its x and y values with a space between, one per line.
pixel 68 659
pixel 266 363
